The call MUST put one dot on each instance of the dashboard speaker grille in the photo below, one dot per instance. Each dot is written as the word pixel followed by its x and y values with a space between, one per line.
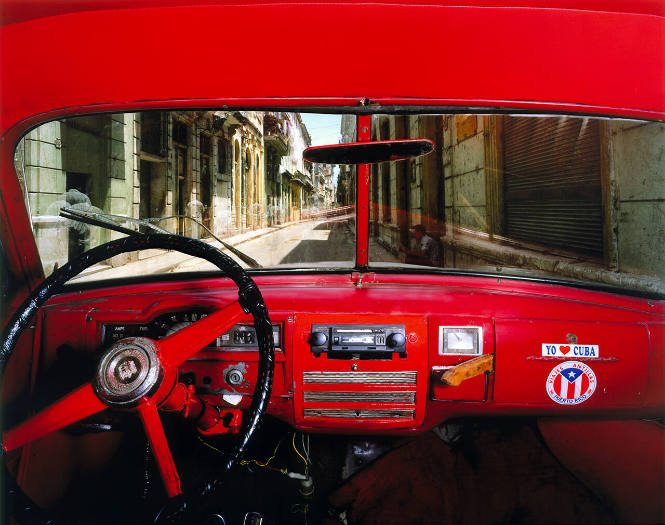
pixel 362 413
pixel 366 378
pixel 367 397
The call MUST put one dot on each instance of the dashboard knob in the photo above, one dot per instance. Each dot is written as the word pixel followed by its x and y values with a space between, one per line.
pixel 318 339
pixel 396 340
pixel 235 377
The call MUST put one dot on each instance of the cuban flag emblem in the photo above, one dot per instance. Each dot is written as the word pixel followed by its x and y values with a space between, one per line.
pixel 571 383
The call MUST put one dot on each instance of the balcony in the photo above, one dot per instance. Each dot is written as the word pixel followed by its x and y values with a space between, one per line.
pixel 275 134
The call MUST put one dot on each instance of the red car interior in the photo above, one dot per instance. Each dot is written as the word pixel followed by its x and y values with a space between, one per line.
pixel 546 56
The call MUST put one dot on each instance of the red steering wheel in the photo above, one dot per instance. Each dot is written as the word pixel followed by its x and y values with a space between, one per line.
pixel 140 374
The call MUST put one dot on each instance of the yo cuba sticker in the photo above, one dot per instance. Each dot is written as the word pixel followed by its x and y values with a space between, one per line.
pixel 571 383
pixel 570 350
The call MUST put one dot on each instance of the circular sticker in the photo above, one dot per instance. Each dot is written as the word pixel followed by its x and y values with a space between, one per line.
pixel 571 383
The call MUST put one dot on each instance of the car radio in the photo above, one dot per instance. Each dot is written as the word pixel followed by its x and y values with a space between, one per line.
pixel 365 340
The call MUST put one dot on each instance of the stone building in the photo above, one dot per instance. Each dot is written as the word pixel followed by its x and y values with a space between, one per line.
pixel 562 195
pixel 191 173
pixel 345 194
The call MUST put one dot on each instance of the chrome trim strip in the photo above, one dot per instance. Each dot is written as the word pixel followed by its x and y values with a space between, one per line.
pixel 368 378
pixel 363 413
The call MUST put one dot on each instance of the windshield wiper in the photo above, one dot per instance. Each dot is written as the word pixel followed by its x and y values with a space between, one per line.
pixel 252 263
pixel 107 220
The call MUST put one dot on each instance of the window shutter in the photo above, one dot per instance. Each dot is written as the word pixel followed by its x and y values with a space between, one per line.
pixel 552 189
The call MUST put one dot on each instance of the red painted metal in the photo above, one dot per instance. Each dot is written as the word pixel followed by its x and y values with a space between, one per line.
pixel 364 130
pixel 160 447
pixel 622 461
pixel 556 56
pixel 212 364
pixel 81 403
pixel 416 360
pixel 175 349
pixel 615 322
pixel 228 421
pixel 476 389
pixel 538 55
pixel 620 383
pixel 654 394
pixel 209 418
pixel 12 11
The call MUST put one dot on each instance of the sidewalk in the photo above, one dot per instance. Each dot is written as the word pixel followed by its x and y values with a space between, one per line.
pixel 163 261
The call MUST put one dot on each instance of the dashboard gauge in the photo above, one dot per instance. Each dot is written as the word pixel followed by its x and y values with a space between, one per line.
pixel 460 340
pixel 160 327
pixel 240 337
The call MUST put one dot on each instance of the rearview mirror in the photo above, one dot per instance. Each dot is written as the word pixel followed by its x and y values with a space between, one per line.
pixel 368 152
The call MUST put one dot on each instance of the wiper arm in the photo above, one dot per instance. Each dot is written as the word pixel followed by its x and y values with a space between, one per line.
pixel 106 220
pixel 252 263
pixel 86 218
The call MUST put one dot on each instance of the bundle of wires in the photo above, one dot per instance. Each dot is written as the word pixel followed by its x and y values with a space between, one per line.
pixel 266 464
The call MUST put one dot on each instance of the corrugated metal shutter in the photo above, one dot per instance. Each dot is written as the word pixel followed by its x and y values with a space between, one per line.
pixel 552 191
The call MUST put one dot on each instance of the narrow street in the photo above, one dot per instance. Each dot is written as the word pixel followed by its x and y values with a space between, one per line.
pixel 321 243
pixel 325 243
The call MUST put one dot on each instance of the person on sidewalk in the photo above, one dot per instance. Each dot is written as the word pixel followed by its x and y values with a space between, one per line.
pixel 428 252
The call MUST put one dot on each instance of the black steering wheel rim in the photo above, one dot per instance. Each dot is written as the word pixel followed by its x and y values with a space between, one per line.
pixel 250 300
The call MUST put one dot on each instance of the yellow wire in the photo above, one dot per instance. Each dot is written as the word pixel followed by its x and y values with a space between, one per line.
pixel 245 461
pixel 274 452
pixel 301 456
pixel 256 462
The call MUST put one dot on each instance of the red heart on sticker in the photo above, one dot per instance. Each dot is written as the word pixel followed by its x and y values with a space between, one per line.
pixel 564 349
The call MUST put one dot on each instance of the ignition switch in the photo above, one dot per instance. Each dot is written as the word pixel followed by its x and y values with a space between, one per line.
pixel 235 377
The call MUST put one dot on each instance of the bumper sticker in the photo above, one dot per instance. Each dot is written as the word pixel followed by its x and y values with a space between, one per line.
pixel 570 350
pixel 571 383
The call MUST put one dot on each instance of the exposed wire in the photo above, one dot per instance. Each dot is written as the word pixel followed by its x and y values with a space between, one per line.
pixel 274 453
pixel 266 464
pixel 301 456
pixel 306 446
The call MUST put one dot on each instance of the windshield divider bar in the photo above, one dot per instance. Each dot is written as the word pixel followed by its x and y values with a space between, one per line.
pixel 364 127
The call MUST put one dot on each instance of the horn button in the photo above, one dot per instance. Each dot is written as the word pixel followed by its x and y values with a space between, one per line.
pixel 129 370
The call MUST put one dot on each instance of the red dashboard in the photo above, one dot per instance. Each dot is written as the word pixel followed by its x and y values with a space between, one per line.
pixel 533 330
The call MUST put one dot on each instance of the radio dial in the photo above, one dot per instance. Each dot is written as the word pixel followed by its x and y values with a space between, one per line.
pixel 318 339
pixel 396 340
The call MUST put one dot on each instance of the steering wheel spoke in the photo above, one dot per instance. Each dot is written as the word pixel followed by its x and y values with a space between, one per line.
pixel 75 406
pixel 177 348
pixel 137 373
pixel 160 448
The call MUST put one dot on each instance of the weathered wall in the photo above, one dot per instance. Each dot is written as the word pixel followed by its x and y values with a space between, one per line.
pixel 464 172
pixel 105 175
pixel 41 163
pixel 638 166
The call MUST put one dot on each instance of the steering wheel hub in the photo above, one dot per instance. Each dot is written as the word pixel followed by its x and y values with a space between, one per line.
pixel 128 370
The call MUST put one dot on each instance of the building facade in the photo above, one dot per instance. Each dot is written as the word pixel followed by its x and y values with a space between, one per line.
pixel 193 173
pixel 561 194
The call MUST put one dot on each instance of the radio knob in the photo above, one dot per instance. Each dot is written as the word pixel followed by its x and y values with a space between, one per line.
pixel 318 339
pixel 396 340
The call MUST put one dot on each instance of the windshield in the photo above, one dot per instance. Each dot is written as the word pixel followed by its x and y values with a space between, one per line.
pixel 235 179
pixel 572 197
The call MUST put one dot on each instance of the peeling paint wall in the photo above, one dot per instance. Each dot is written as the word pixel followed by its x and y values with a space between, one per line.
pixel 464 172
pixel 638 166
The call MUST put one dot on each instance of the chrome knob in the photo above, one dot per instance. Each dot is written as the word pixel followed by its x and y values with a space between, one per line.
pixel 235 377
